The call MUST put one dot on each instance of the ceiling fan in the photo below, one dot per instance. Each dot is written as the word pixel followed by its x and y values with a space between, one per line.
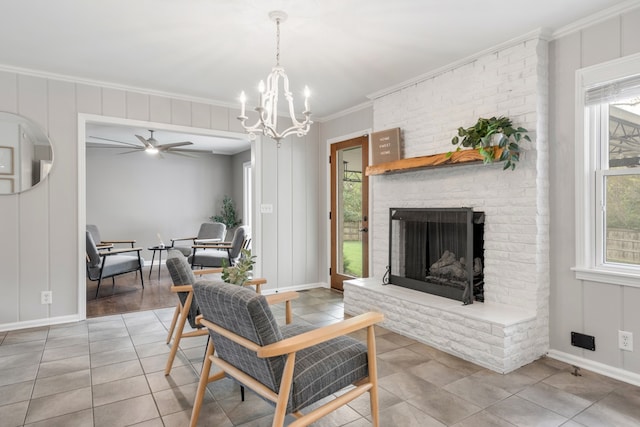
pixel 150 145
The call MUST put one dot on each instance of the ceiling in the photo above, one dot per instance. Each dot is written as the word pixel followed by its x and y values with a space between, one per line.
pixel 97 135
pixel 214 49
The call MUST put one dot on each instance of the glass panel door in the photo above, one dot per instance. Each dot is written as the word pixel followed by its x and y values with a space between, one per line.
pixel 349 212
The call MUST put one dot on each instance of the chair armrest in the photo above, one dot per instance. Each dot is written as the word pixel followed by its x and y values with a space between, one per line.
pixel 101 246
pixel 207 271
pixel 207 241
pixel 220 245
pixel 316 336
pixel 181 288
pixel 119 251
pixel 109 242
pixel 228 334
pixel 178 239
pixel 281 297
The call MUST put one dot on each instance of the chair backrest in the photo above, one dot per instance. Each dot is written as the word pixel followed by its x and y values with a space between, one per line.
pixel 95 233
pixel 245 313
pixel 93 257
pixel 239 237
pixel 181 274
pixel 212 230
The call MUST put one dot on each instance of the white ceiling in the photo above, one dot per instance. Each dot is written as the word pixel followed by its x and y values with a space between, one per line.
pixel 343 50
pixel 98 134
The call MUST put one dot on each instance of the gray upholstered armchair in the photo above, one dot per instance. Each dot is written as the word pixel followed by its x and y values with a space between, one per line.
pixel 210 232
pixel 97 238
pixel 102 264
pixel 292 366
pixel 212 255
pixel 184 278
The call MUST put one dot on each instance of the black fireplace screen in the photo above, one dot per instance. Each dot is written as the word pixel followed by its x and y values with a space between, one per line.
pixel 438 251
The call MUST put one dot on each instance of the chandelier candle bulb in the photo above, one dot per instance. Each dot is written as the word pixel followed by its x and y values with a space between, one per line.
pixel 243 101
pixel 306 99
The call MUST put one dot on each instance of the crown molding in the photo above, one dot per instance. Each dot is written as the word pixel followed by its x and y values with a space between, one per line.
pixel 596 18
pixel 110 85
pixel 345 112
pixel 540 33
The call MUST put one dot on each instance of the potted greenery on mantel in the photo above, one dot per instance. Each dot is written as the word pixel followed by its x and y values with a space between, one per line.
pixel 483 134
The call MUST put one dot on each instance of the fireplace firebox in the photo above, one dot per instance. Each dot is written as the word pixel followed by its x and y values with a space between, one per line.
pixel 438 251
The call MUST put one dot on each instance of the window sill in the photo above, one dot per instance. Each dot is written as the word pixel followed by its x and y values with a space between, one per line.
pixel 608 276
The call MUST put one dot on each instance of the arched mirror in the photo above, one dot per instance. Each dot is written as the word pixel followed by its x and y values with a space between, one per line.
pixel 26 155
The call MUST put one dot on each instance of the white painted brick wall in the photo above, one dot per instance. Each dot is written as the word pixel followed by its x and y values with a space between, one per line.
pixel 497 347
pixel 511 82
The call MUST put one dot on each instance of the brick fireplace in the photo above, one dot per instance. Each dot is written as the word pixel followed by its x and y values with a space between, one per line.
pixel 510 328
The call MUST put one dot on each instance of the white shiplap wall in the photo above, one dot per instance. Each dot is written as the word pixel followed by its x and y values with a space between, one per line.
pixel 41 246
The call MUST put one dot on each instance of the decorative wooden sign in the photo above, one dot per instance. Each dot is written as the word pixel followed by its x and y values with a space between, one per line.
pixel 385 146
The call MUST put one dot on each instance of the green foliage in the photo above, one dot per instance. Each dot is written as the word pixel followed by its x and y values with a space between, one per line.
pixel 228 215
pixel 241 271
pixel 623 202
pixel 352 201
pixel 352 258
pixel 480 137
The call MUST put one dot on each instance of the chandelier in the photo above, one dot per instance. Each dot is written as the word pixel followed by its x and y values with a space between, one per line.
pixel 267 110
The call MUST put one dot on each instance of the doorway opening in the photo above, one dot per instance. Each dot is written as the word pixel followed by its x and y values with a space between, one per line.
pixel 151 199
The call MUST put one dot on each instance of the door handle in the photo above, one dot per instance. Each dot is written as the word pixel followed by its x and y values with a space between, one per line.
pixel 364 230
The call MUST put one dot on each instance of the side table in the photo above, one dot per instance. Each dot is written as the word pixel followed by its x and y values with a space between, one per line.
pixel 159 249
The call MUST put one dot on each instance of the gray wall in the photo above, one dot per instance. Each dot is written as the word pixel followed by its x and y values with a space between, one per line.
pixel 288 180
pixel 42 230
pixel 136 196
pixel 592 308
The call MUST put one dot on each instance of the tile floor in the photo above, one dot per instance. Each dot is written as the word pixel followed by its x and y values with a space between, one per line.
pixel 107 371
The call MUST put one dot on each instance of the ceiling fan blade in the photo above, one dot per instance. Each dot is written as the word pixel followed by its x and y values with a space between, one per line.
pixel 113 140
pixel 146 143
pixel 165 147
pixel 137 150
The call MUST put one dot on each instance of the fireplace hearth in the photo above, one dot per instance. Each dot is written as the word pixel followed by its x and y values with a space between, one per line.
pixel 438 251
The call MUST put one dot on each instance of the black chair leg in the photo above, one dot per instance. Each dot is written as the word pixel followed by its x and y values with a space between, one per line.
pixel 242 392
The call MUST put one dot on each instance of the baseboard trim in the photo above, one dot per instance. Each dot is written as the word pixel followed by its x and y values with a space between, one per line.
pixel 40 322
pixel 597 367
pixel 303 287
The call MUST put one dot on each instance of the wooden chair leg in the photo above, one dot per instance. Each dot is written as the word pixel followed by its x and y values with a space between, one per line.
pixel 373 376
pixel 285 388
pixel 173 322
pixel 176 340
pixel 202 384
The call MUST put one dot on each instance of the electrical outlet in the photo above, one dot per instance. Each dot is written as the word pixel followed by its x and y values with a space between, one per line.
pixel 46 297
pixel 625 340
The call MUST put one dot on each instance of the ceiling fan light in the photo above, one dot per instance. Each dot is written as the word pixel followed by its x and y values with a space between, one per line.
pixel 151 150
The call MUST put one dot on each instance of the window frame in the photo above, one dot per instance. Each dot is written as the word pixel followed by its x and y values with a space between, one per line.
pixel 592 122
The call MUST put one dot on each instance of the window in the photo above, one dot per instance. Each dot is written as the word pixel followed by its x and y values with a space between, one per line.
pixel 608 173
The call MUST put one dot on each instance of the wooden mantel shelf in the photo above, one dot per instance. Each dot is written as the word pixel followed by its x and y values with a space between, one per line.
pixel 462 157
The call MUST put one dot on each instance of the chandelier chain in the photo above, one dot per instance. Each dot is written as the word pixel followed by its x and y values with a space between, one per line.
pixel 277 42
